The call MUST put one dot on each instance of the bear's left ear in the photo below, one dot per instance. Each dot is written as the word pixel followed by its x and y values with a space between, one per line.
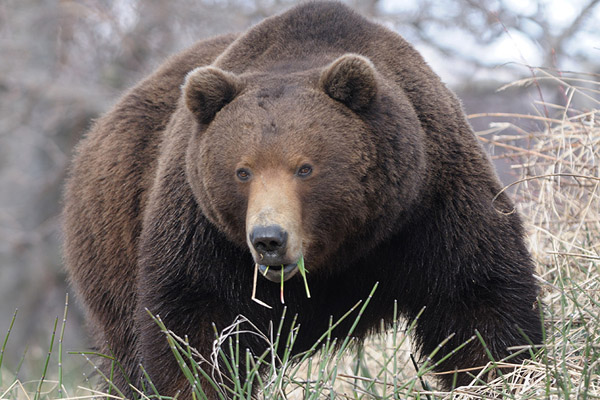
pixel 351 80
pixel 208 89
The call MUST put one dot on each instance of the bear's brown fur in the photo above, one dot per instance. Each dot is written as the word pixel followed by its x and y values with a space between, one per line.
pixel 316 133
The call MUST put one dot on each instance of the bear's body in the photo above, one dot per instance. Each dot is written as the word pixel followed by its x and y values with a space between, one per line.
pixel 316 133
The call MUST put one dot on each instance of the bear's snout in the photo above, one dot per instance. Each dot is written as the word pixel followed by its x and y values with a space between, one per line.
pixel 273 223
pixel 270 242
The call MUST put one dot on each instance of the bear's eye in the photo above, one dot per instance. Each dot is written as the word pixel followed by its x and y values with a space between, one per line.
pixel 243 174
pixel 304 171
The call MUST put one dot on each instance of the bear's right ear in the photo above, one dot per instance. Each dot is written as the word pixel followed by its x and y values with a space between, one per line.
pixel 350 80
pixel 208 89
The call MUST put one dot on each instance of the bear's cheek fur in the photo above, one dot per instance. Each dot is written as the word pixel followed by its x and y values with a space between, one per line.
pixel 332 211
pixel 211 183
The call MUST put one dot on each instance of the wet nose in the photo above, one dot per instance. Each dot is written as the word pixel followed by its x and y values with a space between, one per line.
pixel 269 240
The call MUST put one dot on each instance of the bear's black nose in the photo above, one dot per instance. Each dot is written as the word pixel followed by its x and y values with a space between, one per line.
pixel 269 240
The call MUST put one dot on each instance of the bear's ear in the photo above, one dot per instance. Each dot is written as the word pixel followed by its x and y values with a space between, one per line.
pixel 351 80
pixel 208 89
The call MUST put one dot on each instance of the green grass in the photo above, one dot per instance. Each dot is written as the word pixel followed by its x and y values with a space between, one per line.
pixel 557 191
pixel 49 383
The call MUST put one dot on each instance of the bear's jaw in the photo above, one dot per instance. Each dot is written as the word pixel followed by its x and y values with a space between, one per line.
pixel 273 273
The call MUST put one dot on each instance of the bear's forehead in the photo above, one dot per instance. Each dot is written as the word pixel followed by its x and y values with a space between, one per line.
pixel 282 124
pixel 273 91
pixel 280 102
pixel 280 89
pixel 284 112
pixel 287 107
pixel 277 84
pixel 276 96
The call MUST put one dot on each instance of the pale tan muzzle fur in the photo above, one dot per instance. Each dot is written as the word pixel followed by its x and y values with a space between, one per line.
pixel 273 200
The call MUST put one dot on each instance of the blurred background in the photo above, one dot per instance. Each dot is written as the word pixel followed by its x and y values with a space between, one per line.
pixel 63 63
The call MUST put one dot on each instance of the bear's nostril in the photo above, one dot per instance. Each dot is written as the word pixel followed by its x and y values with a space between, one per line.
pixel 270 238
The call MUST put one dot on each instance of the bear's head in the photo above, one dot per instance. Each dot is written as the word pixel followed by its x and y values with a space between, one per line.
pixel 298 163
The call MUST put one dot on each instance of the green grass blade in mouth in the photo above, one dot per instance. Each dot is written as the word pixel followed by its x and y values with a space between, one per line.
pixel 303 273
pixel 282 279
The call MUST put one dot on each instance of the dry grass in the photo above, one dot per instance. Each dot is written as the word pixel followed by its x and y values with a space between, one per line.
pixel 558 193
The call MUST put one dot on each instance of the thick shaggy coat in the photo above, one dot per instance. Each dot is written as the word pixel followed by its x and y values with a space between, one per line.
pixel 318 134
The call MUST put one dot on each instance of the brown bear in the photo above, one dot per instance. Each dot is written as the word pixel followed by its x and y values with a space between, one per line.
pixel 315 135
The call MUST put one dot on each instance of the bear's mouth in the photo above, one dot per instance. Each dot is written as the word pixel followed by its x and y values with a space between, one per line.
pixel 274 272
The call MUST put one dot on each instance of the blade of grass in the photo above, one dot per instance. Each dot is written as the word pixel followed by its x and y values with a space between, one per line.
pixel 177 350
pixel 494 364
pixel 147 379
pixel 99 372
pixel 262 303
pixel 3 349
pixel 281 291
pixel 45 371
pixel 303 272
pixel 60 348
